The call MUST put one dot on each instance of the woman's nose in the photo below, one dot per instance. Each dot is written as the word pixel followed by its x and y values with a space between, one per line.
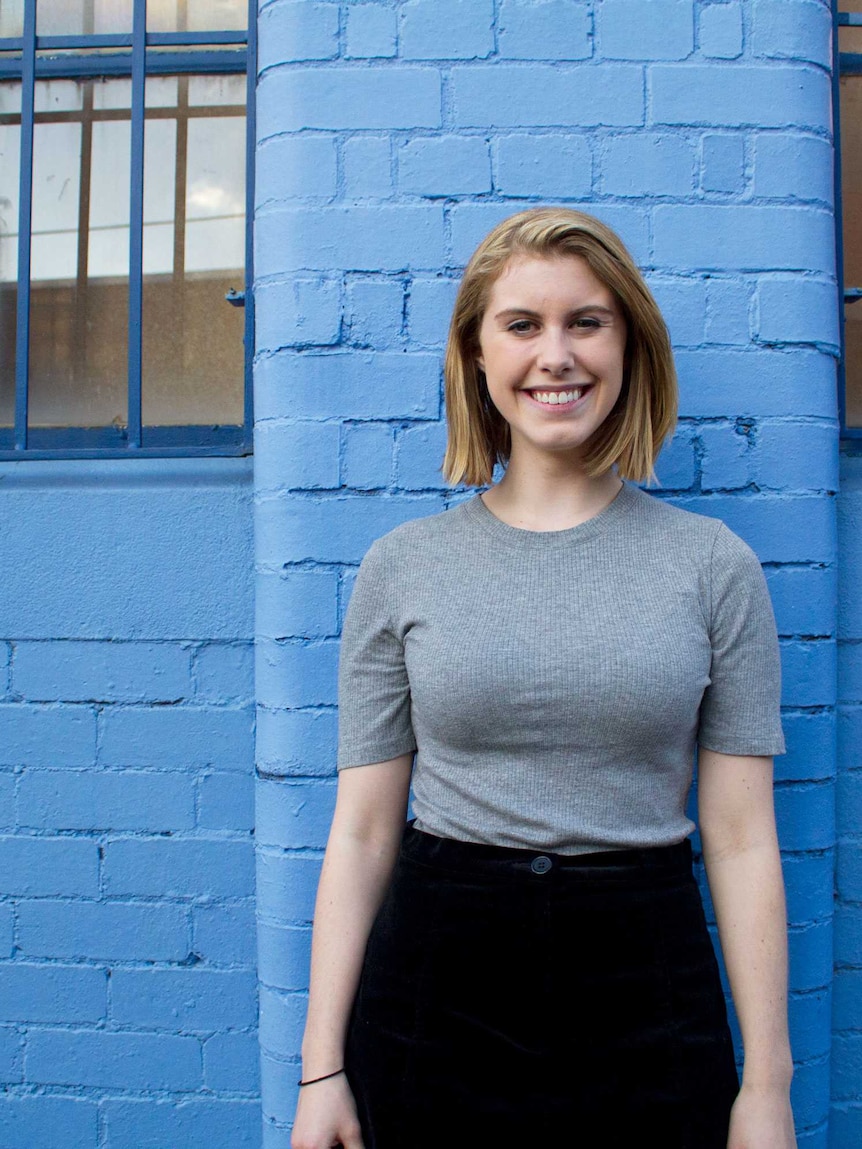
pixel 555 352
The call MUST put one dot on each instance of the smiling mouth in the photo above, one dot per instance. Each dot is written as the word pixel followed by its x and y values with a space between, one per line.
pixel 561 398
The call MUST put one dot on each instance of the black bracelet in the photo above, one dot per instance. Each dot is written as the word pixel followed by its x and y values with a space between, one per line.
pixel 326 1076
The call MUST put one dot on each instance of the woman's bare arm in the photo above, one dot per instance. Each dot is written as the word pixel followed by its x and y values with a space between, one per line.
pixel 743 866
pixel 370 813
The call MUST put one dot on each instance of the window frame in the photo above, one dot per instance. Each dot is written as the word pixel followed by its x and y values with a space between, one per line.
pixel 183 53
pixel 843 64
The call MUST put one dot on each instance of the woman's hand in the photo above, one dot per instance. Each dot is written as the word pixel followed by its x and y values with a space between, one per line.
pixel 326 1116
pixel 761 1119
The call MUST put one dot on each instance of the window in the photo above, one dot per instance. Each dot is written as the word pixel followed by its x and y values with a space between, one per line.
pixel 124 239
pixel 848 197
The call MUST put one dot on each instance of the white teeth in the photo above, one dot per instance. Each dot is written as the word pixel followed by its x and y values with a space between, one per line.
pixel 555 397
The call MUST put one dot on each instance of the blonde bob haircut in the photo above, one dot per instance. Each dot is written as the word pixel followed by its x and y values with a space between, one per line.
pixel 645 413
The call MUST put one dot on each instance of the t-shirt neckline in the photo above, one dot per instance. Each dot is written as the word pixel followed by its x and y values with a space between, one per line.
pixel 527 539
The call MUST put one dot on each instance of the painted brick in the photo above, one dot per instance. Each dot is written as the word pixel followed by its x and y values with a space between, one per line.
pixel 810 952
pixel 224 672
pixel 446 29
pixel 552 30
pixel 296 742
pixel 804 599
pixel 810 1024
pixel 793 310
pixel 372 31
pixel 224 934
pixel 664 30
pixel 291 167
pixel 850 671
pixel 188 1000
pixel 100 671
pixel 809 1093
pixel 809 673
pixel 810 739
pixel 226 802
pixel 296 30
pixel 294 815
pixel 793 166
pixel 548 96
pixel 808 879
pixel 419 457
pixel 231 1062
pixel 675 464
pixel 749 238
pixel 45 866
pixel 366 461
pixel 7 928
pixel 297 674
pixel 728 309
pixel 797 456
pixel 683 303
pixel 299 313
pixel 849 801
pixel 52 993
pixel 11 1061
pixel 276 1136
pixel 845 1126
pixel 647 164
pixel 358 238
pixel 760 520
pixel 153 1124
pixel 723 163
pixel 429 309
pixel 552 166
pixel 114 1060
pixel 806 816
pixel 472 221
pixel 850 534
pixel 848 934
pixel 335 530
pixel 282 1016
pixel 47 735
pixel 740 95
pixel 286 886
pixel 814 1138
pixel 793 30
pixel 298 603
pixel 176 867
pixel 299 456
pixel 32 1121
pixel 177 736
pixel 444 166
pixel 726 462
pixel 280 1093
pixel 375 309
pixel 367 164
pixel 849 737
pixel 8 819
pixel 848 871
pixel 105 800
pixel 798 382
pixel 846 1066
pixel 284 956
pixel 348 98
pixel 847 992
pixel 5 663
pixel 104 931
pixel 721 31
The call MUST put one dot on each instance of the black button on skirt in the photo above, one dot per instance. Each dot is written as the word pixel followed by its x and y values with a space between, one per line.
pixel 515 998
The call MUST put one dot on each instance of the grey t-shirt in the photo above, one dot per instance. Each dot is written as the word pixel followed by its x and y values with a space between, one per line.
pixel 553 684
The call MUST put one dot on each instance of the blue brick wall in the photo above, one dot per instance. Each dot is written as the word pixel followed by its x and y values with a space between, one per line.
pixel 128 997
pixel 389 142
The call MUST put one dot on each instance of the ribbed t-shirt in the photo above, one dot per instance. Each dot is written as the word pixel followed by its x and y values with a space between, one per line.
pixel 554 684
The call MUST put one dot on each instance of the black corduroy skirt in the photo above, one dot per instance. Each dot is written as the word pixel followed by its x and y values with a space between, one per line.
pixel 513 998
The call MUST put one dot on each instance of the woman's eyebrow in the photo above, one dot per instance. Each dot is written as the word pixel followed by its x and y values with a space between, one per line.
pixel 591 307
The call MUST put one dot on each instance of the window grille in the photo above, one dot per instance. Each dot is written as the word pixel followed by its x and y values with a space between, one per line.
pixel 126 133
pixel 847 111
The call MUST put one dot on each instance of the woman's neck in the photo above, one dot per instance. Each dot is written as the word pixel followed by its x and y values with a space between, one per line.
pixel 550 500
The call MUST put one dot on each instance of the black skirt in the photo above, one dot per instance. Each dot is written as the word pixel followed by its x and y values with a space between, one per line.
pixel 511 998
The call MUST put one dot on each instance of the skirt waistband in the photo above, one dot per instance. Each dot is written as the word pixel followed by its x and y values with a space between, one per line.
pixel 478 858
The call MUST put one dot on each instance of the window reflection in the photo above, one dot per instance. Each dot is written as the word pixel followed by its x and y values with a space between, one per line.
pixel 196 15
pixel 193 251
pixel 82 17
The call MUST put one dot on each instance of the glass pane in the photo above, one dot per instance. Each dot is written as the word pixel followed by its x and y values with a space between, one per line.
pixel 194 252
pixel 197 15
pixel 850 39
pixel 851 180
pixel 82 17
pixel 10 143
pixel 11 17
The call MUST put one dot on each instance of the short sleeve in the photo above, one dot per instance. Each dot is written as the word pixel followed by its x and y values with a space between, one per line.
pixel 741 708
pixel 373 689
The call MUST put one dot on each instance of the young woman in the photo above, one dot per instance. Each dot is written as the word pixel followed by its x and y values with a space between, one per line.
pixel 527 963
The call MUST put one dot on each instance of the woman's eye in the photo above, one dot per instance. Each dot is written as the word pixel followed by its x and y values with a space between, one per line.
pixel 586 322
pixel 520 326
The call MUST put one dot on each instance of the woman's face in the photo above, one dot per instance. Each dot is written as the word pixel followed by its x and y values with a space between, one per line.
pixel 552 346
